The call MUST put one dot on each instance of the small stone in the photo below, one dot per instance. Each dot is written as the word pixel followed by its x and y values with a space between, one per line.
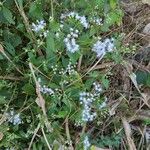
pixel 146 29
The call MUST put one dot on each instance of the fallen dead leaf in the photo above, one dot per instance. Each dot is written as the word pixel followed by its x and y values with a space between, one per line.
pixel 97 148
pixel 128 134
pixel 146 2
pixel 146 29
pixel 1 48
pixel 132 76
pixel 1 136
pixel 113 106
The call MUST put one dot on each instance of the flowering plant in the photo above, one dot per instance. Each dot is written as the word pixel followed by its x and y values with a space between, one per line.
pixel 61 91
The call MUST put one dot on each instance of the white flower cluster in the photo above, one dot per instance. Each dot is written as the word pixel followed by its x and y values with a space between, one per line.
pixel 54 68
pixel 97 88
pixel 97 21
pixel 13 118
pixel 40 27
pixel 78 123
pixel 86 99
pixel 86 143
pixel 101 48
pixel 75 15
pixel 69 69
pixel 70 41
pixel 46 90
pixel 103 105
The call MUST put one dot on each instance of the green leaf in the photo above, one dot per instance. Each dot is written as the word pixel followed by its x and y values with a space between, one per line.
pixel 50 45
pixel 105 82
pixel 35 10
pixel 62 114
pixel 1 57
pixel 143 77
pixel 2 100
pixel 20 2
pixel 28 89
pixel 9 47
pixel 113 4
pixel 8 15
pixel 73 56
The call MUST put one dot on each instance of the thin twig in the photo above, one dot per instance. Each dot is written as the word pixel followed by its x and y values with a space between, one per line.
pixel 79 63
pixel 3 118
pixel 103 66
pixel 52 9
pixel 68 134
pixel 133 79
pixel 25 19
pixel 128 134
pixel 3 52
pixel 11 78
pixel 95 64
pixel 27 26
pixel 40 98
pixel 33 137
pixel 46 140
pixel 89 70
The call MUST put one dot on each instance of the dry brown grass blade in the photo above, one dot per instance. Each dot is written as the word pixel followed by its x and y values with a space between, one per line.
pixel 25 19
pixel 11 78
pixel 1 136
pixel 40 100
pixel 68 134
pixel 1 48
pixel 5 55
pixel 128 134
pixel 46 140
pixel 27 25
pixel 133 79
pixel 97 148
pixel 102 66
pixel 146 2
pixel 91 68
pixel 113 107
pixel 33 137
pixel 79 63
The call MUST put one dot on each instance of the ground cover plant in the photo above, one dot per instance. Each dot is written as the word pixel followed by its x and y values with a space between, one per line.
pixel 74 75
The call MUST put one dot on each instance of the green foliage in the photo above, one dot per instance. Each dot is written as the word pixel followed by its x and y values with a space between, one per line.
pixel 143 78
pixel 7 14
pixel 112 141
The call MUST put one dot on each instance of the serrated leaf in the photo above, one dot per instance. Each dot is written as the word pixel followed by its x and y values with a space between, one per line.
pixel 113 4
pixel 9 48
pixel 28 89
pixel 105 82
pixel 2 100
pixel 8 15
pixel 143 78
pixel 73 57
pixel 50 45
pixel 62 114
pixel 35 10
